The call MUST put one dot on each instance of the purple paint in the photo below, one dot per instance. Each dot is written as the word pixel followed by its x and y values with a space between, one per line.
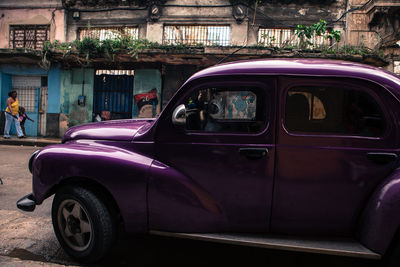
pixel 165 178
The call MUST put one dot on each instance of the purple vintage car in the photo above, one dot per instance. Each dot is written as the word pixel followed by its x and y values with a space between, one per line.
pixel 297 154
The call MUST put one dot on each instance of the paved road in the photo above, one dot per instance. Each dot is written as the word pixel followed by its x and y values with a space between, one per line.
pixel 27 239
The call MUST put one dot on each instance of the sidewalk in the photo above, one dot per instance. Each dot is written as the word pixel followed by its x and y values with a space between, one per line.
pixel 29 141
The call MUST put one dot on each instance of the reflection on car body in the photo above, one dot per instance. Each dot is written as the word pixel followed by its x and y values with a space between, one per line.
pixel 244 153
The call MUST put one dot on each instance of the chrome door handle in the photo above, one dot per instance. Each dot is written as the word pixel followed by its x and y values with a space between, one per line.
pixel 253 152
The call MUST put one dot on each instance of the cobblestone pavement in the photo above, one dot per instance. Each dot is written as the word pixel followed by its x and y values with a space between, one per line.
pixel 27 239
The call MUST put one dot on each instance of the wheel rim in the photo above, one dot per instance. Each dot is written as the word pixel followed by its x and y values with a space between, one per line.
pixel 75 225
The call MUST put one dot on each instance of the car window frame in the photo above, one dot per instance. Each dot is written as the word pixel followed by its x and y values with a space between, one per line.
pixel 329 81
pixel 235 81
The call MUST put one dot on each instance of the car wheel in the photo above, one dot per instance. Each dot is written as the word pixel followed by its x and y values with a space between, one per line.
pixel 83 224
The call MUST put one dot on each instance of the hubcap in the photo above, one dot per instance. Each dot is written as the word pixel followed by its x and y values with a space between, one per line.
pixel 75 225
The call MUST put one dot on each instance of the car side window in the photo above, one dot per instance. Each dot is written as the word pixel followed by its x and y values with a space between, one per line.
pixel 226 110
pixel 320 109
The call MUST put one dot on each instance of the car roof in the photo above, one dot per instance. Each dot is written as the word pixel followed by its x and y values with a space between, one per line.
pixel 304 67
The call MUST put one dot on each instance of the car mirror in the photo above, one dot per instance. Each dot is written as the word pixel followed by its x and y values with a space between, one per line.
pixel 179 115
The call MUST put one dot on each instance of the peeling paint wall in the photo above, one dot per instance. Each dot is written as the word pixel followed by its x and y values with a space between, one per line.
pixel 144 81
pixel 32 16
pixel 172 14
pixel 71 113
pixel 7 71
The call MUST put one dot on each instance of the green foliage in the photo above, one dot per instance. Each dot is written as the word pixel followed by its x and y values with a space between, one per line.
pixel 89 46
pixel 306 33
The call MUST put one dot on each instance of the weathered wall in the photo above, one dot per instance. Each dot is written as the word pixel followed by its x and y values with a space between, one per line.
pixel 71 87
pixel 174 77
pixel 106 18
pixel 8 71
pixel 5 86
pixel 32 16
pixel 53 103
pixel 358 32
pixel 281 15
pixel 216 12
pixel 144 81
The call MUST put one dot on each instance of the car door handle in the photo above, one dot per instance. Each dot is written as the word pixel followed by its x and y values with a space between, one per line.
pixel 253 152
pixel 381 157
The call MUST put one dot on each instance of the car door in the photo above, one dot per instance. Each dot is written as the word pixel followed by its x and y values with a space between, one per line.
pixel 336 142
pixel 215 173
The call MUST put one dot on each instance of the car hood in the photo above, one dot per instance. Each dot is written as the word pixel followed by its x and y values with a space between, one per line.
pixel 119 130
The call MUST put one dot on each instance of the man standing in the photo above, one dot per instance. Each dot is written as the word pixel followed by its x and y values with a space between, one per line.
pixel 11 114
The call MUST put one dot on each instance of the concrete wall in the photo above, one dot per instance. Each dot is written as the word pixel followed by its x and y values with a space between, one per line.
pixel 53 103
pixel 5 87
pixel 108 18
pixel 153 31
pixel 71 113
pixel 174 77
pixel 53 108
pixel 8 71
pixel 32 16
pixel 144 81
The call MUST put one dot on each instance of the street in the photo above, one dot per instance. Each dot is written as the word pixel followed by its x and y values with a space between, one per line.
pixel 28 238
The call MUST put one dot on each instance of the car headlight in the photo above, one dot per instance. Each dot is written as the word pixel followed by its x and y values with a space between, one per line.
pixel 31 160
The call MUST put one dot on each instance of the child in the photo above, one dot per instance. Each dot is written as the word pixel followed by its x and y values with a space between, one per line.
pixel 22 118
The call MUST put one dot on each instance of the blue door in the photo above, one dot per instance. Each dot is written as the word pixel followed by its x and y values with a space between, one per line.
pixel 113 96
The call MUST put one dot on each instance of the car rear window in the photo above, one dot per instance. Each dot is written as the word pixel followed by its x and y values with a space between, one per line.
pixel 333 110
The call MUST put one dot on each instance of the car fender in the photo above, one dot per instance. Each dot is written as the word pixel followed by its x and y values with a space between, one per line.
pixel 381 217
pixel 179 204
pixel 123 173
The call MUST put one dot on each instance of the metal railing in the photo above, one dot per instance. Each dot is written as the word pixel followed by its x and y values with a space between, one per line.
pixel 103 33
pixel 208 35
pixel 283 37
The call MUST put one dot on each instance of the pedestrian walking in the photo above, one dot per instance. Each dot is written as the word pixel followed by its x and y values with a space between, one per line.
pixel 11 115
pixel 22 118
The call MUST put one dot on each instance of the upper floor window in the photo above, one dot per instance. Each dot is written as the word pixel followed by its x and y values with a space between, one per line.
pixel 29 36
pixel 333 110
pixel 283 37
pixel 208 35
pixel 103 33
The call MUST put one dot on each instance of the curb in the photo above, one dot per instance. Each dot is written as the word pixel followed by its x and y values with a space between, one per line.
pixel 28 142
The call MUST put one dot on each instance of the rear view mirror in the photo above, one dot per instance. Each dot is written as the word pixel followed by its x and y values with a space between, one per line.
pixel 179 115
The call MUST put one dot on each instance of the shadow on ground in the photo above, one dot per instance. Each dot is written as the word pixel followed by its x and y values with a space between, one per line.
pixel 162 251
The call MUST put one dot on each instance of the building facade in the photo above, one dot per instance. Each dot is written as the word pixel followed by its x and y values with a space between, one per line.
pixel 64 88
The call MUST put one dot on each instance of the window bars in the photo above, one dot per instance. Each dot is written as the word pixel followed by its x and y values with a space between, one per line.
pixel 115 72
pixel 103 33
pixel 26 97
pixel 208 35
pixel 283 37
pixel 28 36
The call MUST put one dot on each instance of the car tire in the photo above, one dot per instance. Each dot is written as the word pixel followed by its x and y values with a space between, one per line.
pixel 83 224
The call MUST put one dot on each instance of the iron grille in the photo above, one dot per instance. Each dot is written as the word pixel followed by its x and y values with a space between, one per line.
pixel 28 36
pixel 26 97
pixel 113 94
pixel 208 35
pixel 282 37
pixel 103 33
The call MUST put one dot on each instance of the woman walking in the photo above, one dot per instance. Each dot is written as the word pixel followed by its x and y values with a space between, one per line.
pixel 12 115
